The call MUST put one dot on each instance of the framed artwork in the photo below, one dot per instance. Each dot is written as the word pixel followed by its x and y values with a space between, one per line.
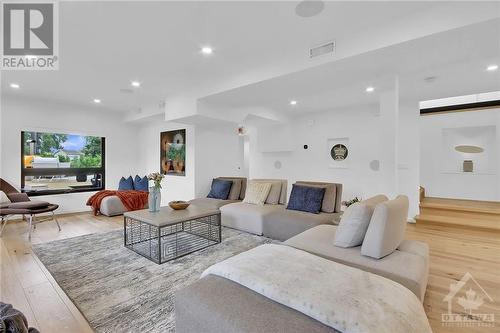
pixel 338 151
pixel 173 152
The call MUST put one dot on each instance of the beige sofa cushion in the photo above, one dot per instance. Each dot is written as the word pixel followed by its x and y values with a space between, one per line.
pixel 274 195
pixel 246 217
pixel 257 192
pixel 234 193
pixel 283 190
pixel 211 203
pixel 355 220
pixel 243 185
pixel 387 228
pixel 407 265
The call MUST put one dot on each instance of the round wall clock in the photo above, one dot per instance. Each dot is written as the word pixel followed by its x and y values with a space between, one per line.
pixel 339 152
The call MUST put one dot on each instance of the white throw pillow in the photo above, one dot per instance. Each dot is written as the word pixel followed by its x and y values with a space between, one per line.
pixel 273 198
pixel 3 198
pixel 257 193
pixel 353 225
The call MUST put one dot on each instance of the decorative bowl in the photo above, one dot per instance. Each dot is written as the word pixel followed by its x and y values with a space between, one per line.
pixel 178 205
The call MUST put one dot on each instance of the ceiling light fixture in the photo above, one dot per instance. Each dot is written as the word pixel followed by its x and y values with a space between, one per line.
pixel 370 89
pixel 136 84
pixel 14 85
pixel 207 50
pixel 293 102
pixel 97 101
pixel 492 68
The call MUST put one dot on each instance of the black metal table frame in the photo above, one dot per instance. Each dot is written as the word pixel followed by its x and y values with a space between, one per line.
pixel 211 231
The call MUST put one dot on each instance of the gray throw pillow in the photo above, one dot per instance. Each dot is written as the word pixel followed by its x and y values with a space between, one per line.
pixel 387 228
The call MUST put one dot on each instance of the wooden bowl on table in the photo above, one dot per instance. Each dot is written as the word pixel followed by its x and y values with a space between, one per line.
pixel 178 205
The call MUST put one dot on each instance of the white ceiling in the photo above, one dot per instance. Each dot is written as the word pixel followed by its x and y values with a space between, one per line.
pixel 104 45
pixel 457 59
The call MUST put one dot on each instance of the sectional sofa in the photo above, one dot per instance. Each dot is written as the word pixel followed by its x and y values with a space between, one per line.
pixel 217 304
pixel 275 220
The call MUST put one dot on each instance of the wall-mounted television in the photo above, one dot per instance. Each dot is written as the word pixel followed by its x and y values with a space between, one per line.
pixel 54 163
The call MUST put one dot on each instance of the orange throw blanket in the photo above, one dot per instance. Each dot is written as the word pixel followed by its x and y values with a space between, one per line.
pixel 132 200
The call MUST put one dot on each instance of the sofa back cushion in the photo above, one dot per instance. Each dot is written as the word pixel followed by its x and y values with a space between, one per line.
pixel 387 228
pixel 235 192
pixel 306 198
pixel 220 189
pixel 257 192
pixel 141 184
pixel 332 201
pixel 4 199
pixel 277 186
pixel 355 220
pixel 243 186
pixel 126 184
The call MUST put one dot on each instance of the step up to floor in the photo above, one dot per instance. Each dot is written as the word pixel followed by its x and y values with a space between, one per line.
pixel 466 213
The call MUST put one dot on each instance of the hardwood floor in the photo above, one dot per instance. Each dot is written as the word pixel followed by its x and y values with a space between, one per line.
pixel 29 287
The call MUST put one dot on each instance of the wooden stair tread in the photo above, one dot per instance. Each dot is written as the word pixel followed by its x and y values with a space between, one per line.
pixel 486 207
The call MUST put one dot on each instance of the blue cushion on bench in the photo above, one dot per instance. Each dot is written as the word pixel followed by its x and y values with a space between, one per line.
pixel 306 199
pixel 126 184
pixel 141 184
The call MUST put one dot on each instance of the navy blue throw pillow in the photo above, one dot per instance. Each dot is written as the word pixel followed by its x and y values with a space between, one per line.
pixel 126 184
pixel 220 189
pixel 306 199
pixel 141 184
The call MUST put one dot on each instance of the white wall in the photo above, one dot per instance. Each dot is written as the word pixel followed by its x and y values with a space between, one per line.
pixel 37 115
pixel 218 153
pixel 436 175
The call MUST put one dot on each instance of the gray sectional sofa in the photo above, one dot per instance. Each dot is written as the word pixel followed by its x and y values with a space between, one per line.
pixel 277 222
pixel 216 304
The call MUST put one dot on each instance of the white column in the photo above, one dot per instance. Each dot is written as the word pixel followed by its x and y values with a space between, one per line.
pixel 389 123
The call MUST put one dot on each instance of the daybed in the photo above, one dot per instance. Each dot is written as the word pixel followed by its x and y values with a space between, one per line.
pixel 226 300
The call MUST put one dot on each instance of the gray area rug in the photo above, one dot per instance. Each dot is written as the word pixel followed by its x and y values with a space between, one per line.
pixel 118 290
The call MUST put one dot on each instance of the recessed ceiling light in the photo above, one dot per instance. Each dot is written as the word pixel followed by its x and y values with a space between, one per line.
pixel 492 68
pixel 293 102
pixel 309 8
pixel 136 84
pixel 14 85
pixel 370 89
pixel 207 50
pixel 97 101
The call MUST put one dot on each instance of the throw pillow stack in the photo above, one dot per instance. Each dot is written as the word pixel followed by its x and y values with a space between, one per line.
pixel 129 184
pixel 377 224
pixel 226 188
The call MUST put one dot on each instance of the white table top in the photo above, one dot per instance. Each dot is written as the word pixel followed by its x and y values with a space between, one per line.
pixel 168 216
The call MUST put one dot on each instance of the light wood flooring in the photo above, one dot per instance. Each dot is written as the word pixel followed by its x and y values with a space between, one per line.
pixel 29 287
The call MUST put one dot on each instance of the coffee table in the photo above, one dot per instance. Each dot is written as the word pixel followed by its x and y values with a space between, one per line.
pixel 169 234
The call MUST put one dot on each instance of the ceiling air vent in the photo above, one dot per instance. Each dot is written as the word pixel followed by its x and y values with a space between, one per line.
pixel 328 48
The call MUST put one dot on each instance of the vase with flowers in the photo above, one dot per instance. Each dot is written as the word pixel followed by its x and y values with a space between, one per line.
pixel 154 199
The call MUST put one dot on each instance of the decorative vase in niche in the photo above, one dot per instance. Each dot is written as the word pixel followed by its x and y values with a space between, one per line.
pixel 468 166
pixel 154 199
